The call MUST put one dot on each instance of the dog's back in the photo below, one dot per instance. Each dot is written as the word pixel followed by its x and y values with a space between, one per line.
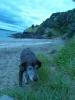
pixel 28 56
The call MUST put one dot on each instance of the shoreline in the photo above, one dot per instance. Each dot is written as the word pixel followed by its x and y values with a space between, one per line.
pixel 29 42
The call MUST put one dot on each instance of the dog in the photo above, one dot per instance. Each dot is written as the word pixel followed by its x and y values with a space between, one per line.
pixel 28 65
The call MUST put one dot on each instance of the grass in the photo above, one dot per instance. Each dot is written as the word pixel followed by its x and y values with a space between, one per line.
pixel 57 84
pixel 65 60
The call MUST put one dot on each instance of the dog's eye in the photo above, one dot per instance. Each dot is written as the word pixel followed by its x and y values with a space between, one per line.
pixel 32 64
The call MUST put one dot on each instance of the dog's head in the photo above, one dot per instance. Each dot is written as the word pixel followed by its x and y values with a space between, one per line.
pixel 31 70
pixel 32 73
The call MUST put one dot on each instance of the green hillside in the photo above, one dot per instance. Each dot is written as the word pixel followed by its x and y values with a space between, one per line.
pixel 59 24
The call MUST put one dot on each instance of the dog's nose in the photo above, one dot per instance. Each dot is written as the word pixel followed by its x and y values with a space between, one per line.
pixel 35 78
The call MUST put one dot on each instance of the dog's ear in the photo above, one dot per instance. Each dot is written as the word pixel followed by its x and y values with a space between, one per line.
pixel 23 66
pixel 38 64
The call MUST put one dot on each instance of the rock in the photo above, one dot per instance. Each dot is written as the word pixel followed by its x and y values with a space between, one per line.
pixel 5 97
pixel 53 51
pixel 45 36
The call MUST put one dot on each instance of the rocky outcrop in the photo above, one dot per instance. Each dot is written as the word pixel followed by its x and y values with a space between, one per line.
pixel 27 35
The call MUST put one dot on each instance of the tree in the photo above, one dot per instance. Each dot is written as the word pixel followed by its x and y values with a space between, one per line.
pixel 33 26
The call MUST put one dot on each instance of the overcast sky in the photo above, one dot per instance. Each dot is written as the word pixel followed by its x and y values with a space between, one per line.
pixel 18 14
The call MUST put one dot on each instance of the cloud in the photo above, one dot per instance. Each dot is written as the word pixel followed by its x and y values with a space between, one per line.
pixel 22 13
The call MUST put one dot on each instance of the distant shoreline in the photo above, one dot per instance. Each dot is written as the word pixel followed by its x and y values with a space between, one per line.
pixel 30 42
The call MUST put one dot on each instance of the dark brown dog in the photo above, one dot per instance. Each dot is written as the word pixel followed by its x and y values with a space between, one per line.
pixel 29 64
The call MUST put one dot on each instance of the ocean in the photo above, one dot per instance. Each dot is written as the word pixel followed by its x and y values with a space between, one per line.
pixel 4 35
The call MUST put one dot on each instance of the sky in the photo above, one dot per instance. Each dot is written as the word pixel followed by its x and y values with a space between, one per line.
pixel 19 14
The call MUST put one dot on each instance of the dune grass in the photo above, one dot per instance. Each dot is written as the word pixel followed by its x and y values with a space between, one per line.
pixel 57 84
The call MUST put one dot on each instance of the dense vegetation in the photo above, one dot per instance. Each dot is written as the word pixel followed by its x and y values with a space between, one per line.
pixel 58 24
pixel 55 82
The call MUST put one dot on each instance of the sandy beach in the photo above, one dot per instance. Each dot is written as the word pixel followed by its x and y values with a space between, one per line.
pixel 10 59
